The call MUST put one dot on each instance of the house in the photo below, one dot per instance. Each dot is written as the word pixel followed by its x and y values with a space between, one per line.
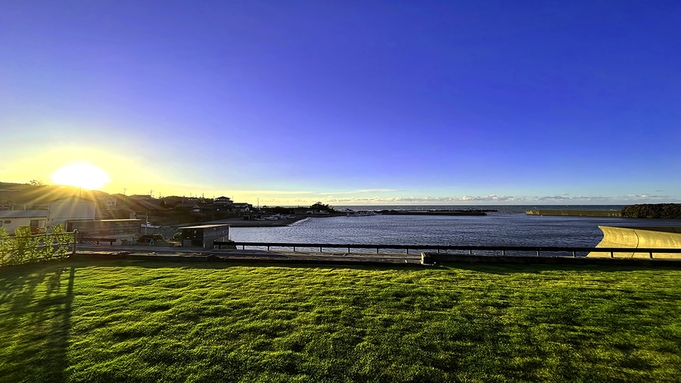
pixel 11 220
pixel 70 208
pixel 145 204
pixel 223 201
pixel 57 212
pixel 242 207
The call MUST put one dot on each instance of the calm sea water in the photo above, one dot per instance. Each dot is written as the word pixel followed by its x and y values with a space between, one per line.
pixel 508 227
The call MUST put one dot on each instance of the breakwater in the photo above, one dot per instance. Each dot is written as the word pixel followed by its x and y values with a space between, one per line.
pixel 471 212
pixel 575 213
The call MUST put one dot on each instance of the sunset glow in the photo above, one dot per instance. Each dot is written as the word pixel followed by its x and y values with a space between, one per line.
pixel 81 175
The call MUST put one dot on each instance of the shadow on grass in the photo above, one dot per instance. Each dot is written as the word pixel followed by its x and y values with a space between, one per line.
pixel 495 268
pixel 36 319
pixel 474 327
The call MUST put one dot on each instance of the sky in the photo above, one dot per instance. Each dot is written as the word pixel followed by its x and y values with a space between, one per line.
pixel 348 102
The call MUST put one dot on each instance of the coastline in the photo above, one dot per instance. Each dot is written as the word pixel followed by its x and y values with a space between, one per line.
pixel 240 222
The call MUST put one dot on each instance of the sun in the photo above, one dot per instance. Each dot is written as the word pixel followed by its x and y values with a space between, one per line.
pixel 81 175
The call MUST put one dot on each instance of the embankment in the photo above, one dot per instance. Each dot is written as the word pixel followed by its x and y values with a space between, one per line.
pixel 665 237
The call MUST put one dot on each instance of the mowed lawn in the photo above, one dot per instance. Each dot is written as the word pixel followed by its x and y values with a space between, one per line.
pixel 134 321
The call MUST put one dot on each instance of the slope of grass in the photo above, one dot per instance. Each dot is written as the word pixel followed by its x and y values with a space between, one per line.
pixel 143 322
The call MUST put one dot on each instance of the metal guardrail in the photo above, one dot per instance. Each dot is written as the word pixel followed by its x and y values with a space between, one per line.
pixel 471 250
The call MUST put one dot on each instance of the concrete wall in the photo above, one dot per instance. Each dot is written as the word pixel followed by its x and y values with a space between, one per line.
pixel 107 228
pixel 639 237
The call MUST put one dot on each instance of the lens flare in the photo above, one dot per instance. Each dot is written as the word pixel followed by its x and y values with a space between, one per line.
pixel 81 175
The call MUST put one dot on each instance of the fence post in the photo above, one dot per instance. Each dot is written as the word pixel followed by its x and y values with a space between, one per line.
pixel 651 255
pixel 75 241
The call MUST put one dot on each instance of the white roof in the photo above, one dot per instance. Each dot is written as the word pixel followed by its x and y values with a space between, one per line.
pixel 9 214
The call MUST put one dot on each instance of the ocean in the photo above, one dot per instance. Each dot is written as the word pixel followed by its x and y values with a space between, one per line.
pixel 510 226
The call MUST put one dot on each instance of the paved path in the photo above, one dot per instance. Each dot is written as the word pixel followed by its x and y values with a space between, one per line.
pixel 200 255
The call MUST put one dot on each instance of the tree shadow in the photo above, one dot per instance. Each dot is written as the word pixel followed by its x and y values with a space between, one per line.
pixel 35 323
pixel 486 267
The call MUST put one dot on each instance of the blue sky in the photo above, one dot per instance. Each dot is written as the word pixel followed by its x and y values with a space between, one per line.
pixel 291 102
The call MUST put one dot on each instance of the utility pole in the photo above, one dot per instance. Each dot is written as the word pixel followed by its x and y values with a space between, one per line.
pixel 146 216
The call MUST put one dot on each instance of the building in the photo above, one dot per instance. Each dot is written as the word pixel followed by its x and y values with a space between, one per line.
pixel 119 229
pixel 223 201
pixel 11 220
pixel 242 207
pixel 70 208
pixel 58 212
pixel 204 235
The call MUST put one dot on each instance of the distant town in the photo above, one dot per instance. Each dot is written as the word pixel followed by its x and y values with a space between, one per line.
pixel 41 206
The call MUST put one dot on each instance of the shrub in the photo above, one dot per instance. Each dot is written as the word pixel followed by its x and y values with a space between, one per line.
pixel 25 247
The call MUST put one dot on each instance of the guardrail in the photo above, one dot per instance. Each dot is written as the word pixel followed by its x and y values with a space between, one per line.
pixel 470 250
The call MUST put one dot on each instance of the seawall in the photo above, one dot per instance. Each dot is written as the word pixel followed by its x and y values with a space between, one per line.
pixel 639 237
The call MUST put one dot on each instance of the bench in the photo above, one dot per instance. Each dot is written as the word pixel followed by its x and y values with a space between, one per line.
pixel 98 240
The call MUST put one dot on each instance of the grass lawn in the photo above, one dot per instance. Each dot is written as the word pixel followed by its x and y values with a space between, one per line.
pixel 128 321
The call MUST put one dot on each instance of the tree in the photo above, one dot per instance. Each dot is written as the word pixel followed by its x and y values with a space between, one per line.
pixel 662 210
pixel 321 206
pixel 36 183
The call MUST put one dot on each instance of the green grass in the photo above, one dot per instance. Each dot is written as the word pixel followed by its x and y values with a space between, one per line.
pixel 133 321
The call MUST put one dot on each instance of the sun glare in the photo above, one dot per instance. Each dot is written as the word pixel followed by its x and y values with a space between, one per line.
pixel 81 175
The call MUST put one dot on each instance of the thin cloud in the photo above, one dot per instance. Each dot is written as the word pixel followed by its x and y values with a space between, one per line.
pixel 363 191
pixel 286 192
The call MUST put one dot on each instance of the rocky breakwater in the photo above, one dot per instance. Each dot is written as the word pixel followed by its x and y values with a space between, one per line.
pixel 574 213
pixel 435 212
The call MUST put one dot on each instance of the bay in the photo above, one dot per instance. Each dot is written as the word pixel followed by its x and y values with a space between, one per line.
pixel 510 226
